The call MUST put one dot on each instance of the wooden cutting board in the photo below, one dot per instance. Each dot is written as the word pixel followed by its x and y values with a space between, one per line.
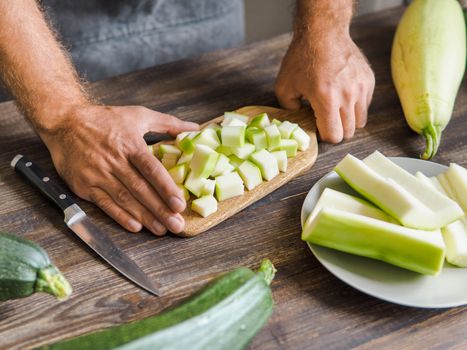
pixel 195 224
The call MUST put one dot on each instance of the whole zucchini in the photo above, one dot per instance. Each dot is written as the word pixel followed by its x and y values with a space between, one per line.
pixel 224 315
pixel 25 268
pixel 428 62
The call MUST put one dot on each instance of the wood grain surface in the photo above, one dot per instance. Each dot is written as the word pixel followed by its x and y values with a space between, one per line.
pixel 313 309
pixel 196 224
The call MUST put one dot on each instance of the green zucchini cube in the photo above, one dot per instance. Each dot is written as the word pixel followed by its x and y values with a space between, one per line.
pixel 257 137
pixel 204 206
pixel 195 184
pixel 289 146
pixel 267 163
pixel 208 188
pixel 223 166
pixel 186 157
pixel 233 136
pixel 286 129
pixel 235 161
pixel 276 122
pixel 281 157
pixel 178 173
pixel 228 186
pixel 207 137
pixel 204 161
pixel 227 151
pixel 302 138
pixel 244 151
pixel 169 160
pixel 235 118
pixel 168 149
pixel 250 174
pixel 273 136
pixel 260 121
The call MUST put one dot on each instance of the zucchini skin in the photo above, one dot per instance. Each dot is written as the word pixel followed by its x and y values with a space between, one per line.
pixel 225 315
pixel 25 268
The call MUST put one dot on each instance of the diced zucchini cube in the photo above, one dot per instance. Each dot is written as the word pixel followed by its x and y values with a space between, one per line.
pixel 244 151
pixel 185 157
pixel 227 151
pixel 185 192
pixel 273 136
pixel 186 144
pixel 250 174
pixel 207 137
pixel 216 127
pixel 235 161
pixel 204 206
pixel 267 163
pixel 257 137
pixel 195 184
pixel 289 146
pixel 302 138
pixel 208 188
pixel 204 161
pixel 168 149
pixel 228 186
pixel 286 129
pixel 233 136
pixel 230 116
pixel 169 160
pixel 260 121
pixel 281 157
pixel 276 122
pixel 178 173
pixel 223 166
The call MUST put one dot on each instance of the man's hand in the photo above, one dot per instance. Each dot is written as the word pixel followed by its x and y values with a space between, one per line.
pixel 100 152
pixel 324 66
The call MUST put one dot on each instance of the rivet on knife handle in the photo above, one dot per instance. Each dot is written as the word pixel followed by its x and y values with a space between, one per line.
pixel 51 189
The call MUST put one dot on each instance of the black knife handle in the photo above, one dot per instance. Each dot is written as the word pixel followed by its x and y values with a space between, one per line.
pixel 49 188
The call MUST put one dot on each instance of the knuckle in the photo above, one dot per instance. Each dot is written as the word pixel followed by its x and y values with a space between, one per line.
pixel 123 196
pixel 104 203
pixel 148 165
pixel 137 186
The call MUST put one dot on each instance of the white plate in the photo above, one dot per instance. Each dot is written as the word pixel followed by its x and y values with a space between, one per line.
pixel 383 280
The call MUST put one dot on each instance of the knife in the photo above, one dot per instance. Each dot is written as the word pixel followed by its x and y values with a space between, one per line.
pixel 77 220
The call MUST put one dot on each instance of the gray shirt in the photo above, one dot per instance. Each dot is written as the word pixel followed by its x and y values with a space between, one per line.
pixel 110 37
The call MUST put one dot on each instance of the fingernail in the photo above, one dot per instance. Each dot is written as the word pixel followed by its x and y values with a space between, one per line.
pixel 134 225
pixel 175 223
pixel 176 203
pixel 158 227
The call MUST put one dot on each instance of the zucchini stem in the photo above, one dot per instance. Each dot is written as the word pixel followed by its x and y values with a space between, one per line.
pixel 268 270
pixel 432 135
pixel 50 280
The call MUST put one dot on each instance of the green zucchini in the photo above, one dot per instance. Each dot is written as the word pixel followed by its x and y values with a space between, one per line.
pixel 25 268
pixel 225 315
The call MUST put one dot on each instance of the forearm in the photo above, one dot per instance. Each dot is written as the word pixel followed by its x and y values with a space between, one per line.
pixel 318 17
pixel 34 67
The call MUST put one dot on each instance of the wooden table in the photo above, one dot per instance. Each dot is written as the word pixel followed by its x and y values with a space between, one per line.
pixel 313 308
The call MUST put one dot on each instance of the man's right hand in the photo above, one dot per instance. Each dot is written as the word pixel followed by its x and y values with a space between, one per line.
pixel 100 152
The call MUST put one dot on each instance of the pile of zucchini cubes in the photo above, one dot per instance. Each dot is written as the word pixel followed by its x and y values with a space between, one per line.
pixel 219 161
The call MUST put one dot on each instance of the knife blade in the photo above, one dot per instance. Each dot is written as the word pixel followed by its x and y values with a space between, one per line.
pixel 77 220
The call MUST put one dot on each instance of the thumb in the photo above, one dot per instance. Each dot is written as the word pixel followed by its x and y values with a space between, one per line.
pixel 168 124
